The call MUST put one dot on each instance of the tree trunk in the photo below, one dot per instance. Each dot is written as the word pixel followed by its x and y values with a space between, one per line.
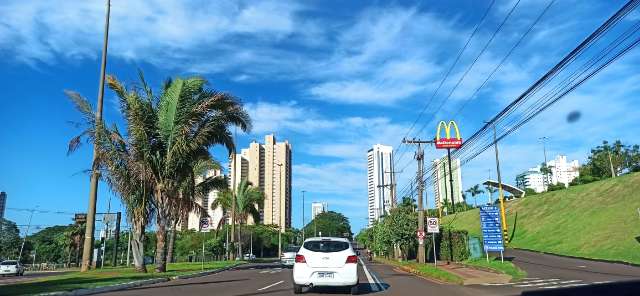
pixel 172 239
pixel 137 245
pixel 240 239
pixel 161 241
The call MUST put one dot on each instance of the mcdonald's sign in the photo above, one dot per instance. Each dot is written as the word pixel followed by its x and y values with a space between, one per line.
pixel 448 142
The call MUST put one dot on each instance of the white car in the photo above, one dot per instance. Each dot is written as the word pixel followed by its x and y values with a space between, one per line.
pixel 288 257
pixel 12 267
pixel 325 261
pixel 249 257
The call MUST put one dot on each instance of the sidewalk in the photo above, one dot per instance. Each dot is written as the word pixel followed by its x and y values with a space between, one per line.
pixel 472 276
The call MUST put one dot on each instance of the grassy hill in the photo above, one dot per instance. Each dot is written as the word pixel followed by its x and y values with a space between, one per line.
pixel 597 220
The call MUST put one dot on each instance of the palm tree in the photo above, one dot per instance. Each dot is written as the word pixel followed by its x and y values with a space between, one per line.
pixel 247 199
pixel 475 190
pixel 116 163
pixel 184 122
pixel 491 190
pixel 464 200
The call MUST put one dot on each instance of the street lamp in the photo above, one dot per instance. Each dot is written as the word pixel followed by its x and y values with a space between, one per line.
pixel 303 191
pixel 279 211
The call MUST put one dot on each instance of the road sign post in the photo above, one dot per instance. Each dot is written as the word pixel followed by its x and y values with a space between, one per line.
pixel 205 224
pixel 433 227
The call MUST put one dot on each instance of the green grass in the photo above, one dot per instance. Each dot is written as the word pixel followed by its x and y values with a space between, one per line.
pixel 498 266
pixel 597 220
pixel 426 270
pixel 103 277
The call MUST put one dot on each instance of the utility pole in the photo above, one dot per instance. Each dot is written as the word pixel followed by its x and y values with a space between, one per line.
pixel 453 199
pixel 505 233
pixel 303 191
pixel 128 244
pixel 26 234
pixel 419 178
pixel 93 187
pixel 116 239
pixel 544 149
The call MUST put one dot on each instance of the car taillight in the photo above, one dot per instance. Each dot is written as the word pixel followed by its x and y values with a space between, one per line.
pixel 352 259
pixel 300 259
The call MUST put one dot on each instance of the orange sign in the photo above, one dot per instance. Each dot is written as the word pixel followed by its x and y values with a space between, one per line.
pixel 448 142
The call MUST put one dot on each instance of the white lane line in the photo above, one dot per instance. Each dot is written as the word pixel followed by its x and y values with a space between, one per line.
pixel 565 286
pixel 372 283
pixel 378 281
pixel 265 271
pixel 602 282
pixel 269 286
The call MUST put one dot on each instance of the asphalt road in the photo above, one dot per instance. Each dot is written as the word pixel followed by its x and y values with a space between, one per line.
pixel 548 275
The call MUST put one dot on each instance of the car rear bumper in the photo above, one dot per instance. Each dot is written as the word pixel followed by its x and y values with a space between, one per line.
pixel 288 261
pixel 345 276
pixel 8 271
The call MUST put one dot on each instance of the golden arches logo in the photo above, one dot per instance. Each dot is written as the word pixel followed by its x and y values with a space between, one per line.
pixel 448 141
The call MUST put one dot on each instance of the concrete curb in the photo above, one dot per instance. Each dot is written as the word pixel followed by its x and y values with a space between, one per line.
pixel 581 258
pixel 125 286
pixel 203 273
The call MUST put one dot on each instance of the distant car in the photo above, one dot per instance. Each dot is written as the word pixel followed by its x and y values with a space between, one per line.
pixel 249 257
pixel 325 261
pixel 288 256
pixel 11 267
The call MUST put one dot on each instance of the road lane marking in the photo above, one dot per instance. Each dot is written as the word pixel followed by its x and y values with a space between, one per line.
pixel 602 282
pixel 526 279
pixel 265 271
pixel 372 283
pixel 269 286
pixel 378 281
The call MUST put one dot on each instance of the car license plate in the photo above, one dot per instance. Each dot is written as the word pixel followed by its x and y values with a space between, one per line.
pixel 325 275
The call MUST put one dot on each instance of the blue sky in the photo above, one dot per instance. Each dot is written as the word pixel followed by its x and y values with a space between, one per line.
pixel 332 78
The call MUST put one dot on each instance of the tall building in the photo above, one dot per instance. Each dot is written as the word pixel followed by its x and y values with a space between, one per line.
pixel 380 179
pixel 267 166
pixel 3 203
pixel 216 215
pixel 318 208
pixel 441 181
pixel 561 172
pixel 532 179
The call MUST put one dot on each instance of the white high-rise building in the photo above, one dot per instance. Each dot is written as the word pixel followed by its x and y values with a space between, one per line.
pixel 532 179
pixel 317 208
pixel 379 181
pixel 442 183
pixel 215 215
pixel 561 172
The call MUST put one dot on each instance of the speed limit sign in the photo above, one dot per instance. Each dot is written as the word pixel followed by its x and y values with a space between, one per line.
pixel 433 225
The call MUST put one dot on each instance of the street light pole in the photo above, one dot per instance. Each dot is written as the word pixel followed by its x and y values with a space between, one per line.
pixel 544 149
pixel 93 188
pixel 303 191
pixel 25 235
pixel 280 210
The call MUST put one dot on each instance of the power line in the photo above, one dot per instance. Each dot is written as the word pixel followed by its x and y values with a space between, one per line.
pixel 42 211
pixel 605 57
pixel 455 62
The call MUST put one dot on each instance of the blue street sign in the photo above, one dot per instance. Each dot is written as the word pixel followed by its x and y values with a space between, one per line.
pixel 491 228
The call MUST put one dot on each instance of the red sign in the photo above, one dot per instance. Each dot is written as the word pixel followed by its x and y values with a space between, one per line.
pixel 448 142
pixel 421 234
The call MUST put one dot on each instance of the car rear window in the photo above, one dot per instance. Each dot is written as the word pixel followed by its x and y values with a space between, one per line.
pixel 326 246
pixel 8 263
pixel 292 249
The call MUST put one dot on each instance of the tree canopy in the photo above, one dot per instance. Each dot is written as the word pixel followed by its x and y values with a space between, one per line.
pixel 329 224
